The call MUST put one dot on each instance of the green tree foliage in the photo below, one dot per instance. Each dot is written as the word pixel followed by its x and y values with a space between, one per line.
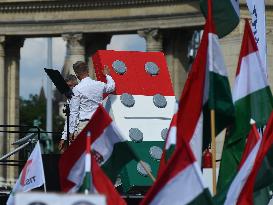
pixel 35 108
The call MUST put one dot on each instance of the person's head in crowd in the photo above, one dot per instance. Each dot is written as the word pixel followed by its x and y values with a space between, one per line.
pixel 81 70
pixel 71 81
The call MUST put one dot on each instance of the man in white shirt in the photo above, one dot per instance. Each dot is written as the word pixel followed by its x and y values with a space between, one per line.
pixel 71 81
pixel 88 94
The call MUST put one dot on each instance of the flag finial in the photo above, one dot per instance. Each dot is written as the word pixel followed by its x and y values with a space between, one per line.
pixel 252 122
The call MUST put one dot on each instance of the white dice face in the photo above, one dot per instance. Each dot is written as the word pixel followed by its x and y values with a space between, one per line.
pixel 141 118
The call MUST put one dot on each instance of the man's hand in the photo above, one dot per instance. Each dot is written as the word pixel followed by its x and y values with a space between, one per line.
pixel 106 70
pixel 71 138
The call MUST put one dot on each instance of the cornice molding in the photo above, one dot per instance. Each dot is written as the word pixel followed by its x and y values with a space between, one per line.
pixel 32 6
pixel 121 19
pixel 112 26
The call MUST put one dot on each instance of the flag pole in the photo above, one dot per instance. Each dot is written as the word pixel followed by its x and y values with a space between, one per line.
pixel 213 149
pixel 147 171
pixel 88 163
pixel 212 118
pixel 45 186
pixel 38 142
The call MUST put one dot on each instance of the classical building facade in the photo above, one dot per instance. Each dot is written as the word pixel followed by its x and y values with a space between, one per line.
pixel 88 25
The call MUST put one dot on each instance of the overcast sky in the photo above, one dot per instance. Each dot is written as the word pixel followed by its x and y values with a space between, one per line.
pixel 33 59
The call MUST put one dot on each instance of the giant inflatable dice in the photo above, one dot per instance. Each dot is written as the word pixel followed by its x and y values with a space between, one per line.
pixel 142 105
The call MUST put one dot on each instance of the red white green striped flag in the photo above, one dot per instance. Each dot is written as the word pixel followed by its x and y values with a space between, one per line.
pixel 206 88
pixel 87 182
pixel 246 195
pixel 232 192
pixel 169 146
pixel 179 178
pixel 252 99
pixel 106 144
pixel 181 183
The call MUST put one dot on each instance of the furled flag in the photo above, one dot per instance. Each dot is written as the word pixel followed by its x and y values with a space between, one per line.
pixel 108 147
pixel 226 15
pixel 246 195
pixel 252 99
pixel 232 191
pixel 206 88
pixel 32 175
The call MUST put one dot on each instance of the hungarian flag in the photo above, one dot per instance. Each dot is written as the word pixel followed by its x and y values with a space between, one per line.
pixel 87 185
pixel 226 15
pixel 180 182
pixel 252 99
pixel 109 149
pixel 95 181
pixel 206 88
pixel 32 175
pixel 169 146
pixel 231 193
pixel 246 195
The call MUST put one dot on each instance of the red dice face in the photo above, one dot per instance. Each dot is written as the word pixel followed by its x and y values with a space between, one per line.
pixel 136 73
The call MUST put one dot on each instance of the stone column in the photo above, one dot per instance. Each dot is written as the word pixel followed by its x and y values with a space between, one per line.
pixel 2 80
pixel 2 103
pixel 92 44
pixel 13 100
pixel 153 39
pixel 75 51
pixel 175 44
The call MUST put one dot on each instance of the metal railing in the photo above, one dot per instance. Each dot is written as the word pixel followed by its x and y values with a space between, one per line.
pixel 25 143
